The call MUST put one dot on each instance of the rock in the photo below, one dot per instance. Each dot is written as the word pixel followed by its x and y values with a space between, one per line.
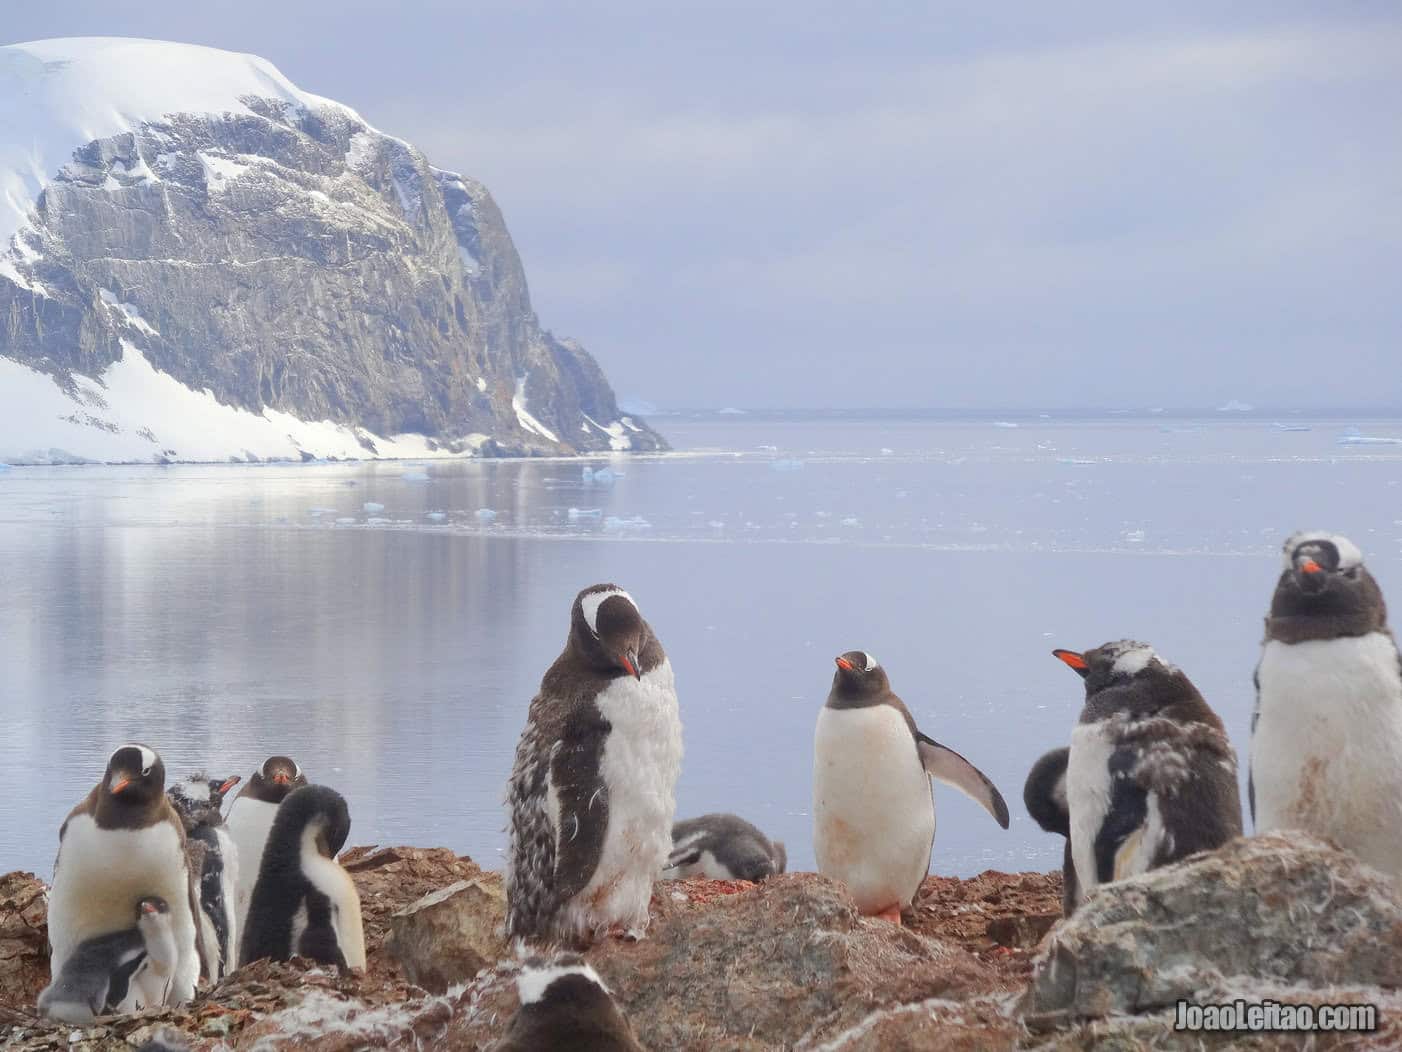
pixel 24 938
pixel 449 936
pixel 937 1025
pixel 1267 911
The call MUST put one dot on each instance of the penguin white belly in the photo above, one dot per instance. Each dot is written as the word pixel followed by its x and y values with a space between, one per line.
pixel 98 879
pixel 1087 797
pixel 327 876
pixel 641 760
pixel 228 886
pixel 248 823
pixel 1326 755
pixel 873 813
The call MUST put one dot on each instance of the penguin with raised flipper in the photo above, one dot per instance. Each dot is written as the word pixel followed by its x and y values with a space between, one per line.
pixel 591 795
pixel 112 973
pixel 1151 776
pixel 873 810
pixel 125 842
pixel 1326 733
pixel 198 801
pixel 1045 797
pixel 722 847
pixel 304 903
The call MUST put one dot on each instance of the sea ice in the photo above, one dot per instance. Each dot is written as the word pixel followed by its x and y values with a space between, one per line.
pixel 345 521
pixel 887 451
pixel 435 516
pixel 485 514
pixel 619 525
pixel 371 508
pixel 1004 423
pixel 576 514
pixel 415 476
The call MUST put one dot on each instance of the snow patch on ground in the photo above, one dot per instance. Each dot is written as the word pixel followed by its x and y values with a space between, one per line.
pixel 523 416
pixel 219 172
pixel 128 311
pixel 618 437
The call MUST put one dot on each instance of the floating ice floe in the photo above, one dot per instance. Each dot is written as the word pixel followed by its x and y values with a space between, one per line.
pixel 1290 427
pixel 1235 405
pixel 435 516
pixel 851 520
pixel 1004 423
pixel 597 476
pixel 786 465
pixel 620 525
pixel 887 451
pixel 371 508
pixel 345 520
pixel 485 514
pixel 1368 440
pixel 730 411
pixel 576 514
pixel 376 520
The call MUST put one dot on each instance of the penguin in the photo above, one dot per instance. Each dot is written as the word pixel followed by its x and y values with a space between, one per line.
pixel 1045 797
pixel 214 857
pixel 873 811
pixel 565 1007
pixel 123 842
pixel 723 847
pixel 591 794
pixel 97 978
pixel 303 902
pixel 1151 775
pixel 250 818
pixel 1326 731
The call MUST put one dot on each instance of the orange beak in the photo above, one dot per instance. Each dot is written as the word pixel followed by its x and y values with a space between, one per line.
pixel 230 784
pixel 282 778
pixel 1072 659
pixel 120 786
pixel 845 665
pixel 1310 566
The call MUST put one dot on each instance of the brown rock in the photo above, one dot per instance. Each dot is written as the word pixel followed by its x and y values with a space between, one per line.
pixel 449 935
pixel 24 939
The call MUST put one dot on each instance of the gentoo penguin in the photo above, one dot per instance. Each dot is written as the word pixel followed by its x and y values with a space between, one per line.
pixel 1326 733
pixel 565 1007
pixel 1151 776
pixel 591 793
pixel 304 903
pixel 214 856
pixel 97 977
pixel 122 843
pixel 250 818
pixel 722 847
pixel 1045 797
pixel 873 812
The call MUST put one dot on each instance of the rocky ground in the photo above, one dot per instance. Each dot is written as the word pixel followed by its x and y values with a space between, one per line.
pixel 980 963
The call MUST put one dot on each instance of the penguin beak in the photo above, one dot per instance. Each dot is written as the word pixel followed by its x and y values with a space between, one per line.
pixel 1310 576
pixel 1073 660
pixel 120 785
pixel 844 664
pixel 282 778
pixel 230 784
pixel 630 664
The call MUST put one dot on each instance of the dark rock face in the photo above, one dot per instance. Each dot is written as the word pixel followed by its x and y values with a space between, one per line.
pixel 297 260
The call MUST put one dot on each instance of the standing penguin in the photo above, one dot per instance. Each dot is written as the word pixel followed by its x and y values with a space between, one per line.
pixel 122 843
pixel 565 1007
pixel 97 978
pixel 591 793
pixel 1151 776
pixel 198 800
pixel 304 903
pixel 250 818
pixel 873 811
pixel 723 847
pixel 1326 734
pixel 1045 797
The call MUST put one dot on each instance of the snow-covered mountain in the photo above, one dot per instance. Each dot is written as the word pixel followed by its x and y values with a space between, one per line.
pixel 200 261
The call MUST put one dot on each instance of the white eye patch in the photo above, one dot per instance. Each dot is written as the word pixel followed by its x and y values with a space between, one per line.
pixel 532 983
pixel 871 662
pixel 1349 553
pixel 590 606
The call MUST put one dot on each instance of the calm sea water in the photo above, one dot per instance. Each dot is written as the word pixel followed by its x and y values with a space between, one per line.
pixel 224 613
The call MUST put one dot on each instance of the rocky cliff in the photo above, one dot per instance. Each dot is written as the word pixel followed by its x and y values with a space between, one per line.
pixel 202 261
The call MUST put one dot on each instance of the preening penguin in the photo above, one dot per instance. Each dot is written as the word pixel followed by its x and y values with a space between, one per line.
pixel 591 792
pixel 723 847
pixel 1045 797
pixel 565 1006
pixel 250 818
pixel 214 857
pixel 97 978
pixel 1326 733
pixel 1151 776
pixel 304 903
pixel 124 842
pixel 873 811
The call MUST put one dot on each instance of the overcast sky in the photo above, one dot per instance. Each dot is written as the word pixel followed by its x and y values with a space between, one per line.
pixel 926 204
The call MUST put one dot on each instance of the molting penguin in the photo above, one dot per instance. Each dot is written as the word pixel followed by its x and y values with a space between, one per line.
pixel 1326 734
pixel 722 847
pixel 591 793
pixel 250 818
pixel 565 1007
pixel 304 903
pixel 214 856
pixel 1045 797
pixel 97 978
pixel 873 811
pixel 1151 776
pixel 122 843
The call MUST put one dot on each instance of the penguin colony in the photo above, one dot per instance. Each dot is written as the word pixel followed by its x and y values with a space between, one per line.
pixel 137 917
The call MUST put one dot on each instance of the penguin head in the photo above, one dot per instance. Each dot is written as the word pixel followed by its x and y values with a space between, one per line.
pixel 1113 664
pixel 608 629
pixel 152 910
pixel 859 675
pixel 321 814
pixel 1324 576
pixel 135 775
pixel 278 776
pixel 221 787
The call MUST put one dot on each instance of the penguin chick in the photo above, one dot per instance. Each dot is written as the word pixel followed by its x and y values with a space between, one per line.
pixel 214 857
pixel 1151 776
pixel 565 1007
pixel 96 979
pixel 1045 797
pixel 873 811
pixel 1326 732
pixel 591 795
pixel 722 847
pixel 304 903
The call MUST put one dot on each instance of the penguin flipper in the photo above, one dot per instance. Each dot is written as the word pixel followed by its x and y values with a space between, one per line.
pixel 946 765
pixel 1119 841
pixel 583 797
pixel 1044 793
